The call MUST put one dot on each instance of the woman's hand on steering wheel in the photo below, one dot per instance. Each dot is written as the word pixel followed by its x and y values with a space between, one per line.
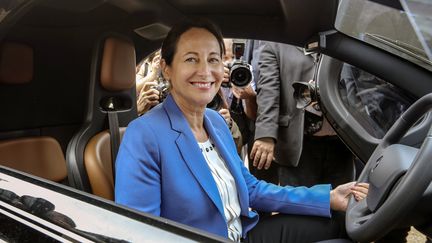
pixel 340 195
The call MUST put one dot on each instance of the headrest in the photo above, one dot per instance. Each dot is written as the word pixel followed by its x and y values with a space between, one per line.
pixel 16 63
pixel 39 156
pixel 118 64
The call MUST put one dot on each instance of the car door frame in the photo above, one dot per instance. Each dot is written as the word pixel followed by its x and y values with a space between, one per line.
pixel 338 48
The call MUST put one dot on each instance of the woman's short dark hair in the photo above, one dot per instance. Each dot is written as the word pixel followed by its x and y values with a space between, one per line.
pixel 169 45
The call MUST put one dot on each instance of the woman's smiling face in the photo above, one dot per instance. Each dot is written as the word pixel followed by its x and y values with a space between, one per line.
pixel 196 71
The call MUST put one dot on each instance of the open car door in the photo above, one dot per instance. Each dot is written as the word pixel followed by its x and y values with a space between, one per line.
pixel 363 95
pixel 375 85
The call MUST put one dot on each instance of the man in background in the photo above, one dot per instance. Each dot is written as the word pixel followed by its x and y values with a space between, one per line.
pixel 303 155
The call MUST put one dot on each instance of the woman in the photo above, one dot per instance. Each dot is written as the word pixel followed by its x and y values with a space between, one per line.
pixel 179 160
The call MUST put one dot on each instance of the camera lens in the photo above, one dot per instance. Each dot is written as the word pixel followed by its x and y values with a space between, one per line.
pixel 304 94
pixel 240 75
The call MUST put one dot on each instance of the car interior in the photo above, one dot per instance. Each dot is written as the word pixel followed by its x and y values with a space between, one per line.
pixel 67 88
pixel 85 60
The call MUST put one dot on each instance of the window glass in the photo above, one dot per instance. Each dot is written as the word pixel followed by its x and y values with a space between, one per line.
pixel 375 103
pixel 405 33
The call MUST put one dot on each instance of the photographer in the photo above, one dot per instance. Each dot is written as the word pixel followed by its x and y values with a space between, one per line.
pixel 144 75
pixel 239 84
pixel 150 86
pixel 239 87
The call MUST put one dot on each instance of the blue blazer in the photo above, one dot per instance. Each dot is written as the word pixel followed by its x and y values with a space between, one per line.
pixel 161 170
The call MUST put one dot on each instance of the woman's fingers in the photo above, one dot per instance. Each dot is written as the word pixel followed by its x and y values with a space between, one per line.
pixel 360 190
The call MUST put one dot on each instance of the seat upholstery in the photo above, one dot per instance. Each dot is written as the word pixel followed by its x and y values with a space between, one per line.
pixel 98 164
pixel 39 156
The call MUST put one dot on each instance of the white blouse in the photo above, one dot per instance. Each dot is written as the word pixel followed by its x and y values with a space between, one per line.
pixel 227 189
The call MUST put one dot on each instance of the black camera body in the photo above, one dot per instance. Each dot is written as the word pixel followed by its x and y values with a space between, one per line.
pixel 163 88
pixel 305 93
pixel 240 71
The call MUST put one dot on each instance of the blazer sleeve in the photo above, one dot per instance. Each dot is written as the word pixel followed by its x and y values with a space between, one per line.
pixel 268 197
pixel 268 93
pixel 138 177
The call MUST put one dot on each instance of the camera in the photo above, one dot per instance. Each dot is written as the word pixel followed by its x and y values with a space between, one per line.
pixel 240 71
pixel 305 93
pixel 163 88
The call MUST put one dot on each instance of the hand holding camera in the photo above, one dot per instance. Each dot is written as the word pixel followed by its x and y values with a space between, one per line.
pixel 162 87
pixel 244 93
pixel 227 116
pixel 152 93
pixel 148 97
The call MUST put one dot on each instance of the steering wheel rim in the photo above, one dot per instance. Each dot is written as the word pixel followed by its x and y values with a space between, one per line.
pixel 390 198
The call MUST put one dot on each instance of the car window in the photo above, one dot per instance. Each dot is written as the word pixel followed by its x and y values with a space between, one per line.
pixel 375 103
pixel 405 33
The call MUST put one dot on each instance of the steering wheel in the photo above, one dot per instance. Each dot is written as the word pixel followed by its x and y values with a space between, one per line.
pixel 397 175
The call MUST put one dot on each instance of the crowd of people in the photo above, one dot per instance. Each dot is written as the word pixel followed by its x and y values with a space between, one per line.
pixel 185 160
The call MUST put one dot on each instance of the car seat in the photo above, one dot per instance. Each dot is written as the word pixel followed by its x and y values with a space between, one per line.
pixel 37 155
pixel 111 89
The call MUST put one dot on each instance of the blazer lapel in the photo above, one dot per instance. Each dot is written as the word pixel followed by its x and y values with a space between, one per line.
pixel 231 161
pixel 191 153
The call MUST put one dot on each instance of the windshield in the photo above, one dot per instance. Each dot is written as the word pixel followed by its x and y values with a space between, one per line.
pixel 406 33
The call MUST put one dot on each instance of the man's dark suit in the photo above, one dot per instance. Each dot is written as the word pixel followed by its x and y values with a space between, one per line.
pixel 325 159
